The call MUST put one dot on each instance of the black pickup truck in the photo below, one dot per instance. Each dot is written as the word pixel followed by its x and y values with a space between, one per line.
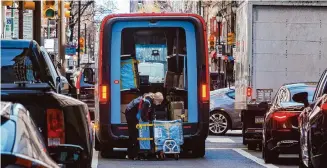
pixel 25 79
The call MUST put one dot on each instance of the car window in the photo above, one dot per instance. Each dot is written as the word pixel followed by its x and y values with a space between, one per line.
pixel 50 68
pixel 321 87
pixel 7 130
pixel 231 94
pixel 16 65
pixel 299 89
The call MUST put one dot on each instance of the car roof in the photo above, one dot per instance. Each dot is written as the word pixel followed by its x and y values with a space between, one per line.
pixel 16 43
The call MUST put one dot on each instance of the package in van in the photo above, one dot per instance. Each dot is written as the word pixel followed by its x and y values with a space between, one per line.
pixel 177 110
pixel 129 74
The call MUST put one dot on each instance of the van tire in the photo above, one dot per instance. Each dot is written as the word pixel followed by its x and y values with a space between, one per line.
pixel 199 149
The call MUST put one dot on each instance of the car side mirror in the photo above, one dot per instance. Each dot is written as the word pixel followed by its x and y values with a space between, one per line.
pixel 67 154
pixel 301 97
pixel 263 105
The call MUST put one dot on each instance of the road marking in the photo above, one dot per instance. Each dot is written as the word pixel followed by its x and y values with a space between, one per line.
pixel 95 159
pixel 253 158
pixel 223 148
pixel 220 140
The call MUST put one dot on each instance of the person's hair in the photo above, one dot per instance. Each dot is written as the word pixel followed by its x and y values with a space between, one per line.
pixel 150 94
pixel 158 96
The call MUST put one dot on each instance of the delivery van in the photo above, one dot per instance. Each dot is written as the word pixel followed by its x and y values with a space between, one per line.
pixel 157 52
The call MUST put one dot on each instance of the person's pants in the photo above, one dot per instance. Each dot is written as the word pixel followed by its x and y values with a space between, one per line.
pixel 133 134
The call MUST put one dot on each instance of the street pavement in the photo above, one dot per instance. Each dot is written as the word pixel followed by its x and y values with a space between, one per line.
pixel 221 152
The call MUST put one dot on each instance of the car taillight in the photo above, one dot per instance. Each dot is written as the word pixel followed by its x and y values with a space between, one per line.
pixel 282 116
pixel 324 107
pixel 249 92
pixel 204 90
pixel 56 127
pixel 103 94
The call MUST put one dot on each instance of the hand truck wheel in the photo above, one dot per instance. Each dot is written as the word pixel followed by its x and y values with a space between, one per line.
pixel 176 156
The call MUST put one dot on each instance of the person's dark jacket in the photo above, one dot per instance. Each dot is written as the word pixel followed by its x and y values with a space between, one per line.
pixel 146 109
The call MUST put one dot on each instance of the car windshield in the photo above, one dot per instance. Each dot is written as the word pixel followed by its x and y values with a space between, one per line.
pixel 7 130
pixel 16 65
pixel 299 89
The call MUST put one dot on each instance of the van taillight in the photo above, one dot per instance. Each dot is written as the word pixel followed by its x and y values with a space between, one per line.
pixel 282 116
pixel 204 93
pixel 56 127
pixel 249 92
pixel 103 94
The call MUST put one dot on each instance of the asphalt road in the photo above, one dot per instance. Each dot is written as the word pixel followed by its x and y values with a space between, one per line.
pixel 221 152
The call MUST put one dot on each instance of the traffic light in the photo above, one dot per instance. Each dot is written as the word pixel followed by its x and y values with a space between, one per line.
pixel 230 38
pixel 49 9
pixel 81 45
pixel 67 11
pixel 29 5
pixel 212 43
pixel 7 3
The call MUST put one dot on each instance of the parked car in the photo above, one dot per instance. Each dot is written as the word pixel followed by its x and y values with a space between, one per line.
pixel 63 86
pixel 61 120
pixel 222 114
pixel 84 84
pixel 21 143
pixel 313 126
pixel 280 127
pixel 18 56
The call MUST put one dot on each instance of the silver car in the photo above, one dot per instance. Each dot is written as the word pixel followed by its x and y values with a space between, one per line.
pixel 222 114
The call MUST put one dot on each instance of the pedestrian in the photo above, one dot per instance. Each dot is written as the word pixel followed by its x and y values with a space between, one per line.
pixel 138 109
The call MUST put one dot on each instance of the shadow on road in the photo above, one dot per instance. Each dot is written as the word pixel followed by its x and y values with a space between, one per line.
pixel 287 161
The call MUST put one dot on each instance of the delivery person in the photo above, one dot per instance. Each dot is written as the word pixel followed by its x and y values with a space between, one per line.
pixel 138 109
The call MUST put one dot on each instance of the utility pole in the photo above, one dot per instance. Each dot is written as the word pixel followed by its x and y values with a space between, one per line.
pixel 20 19
pixel 61 37
pixel 79 33
pixel 85 37
pixel 37 22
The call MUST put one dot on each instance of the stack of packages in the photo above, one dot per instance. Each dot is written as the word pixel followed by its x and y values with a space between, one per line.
pixel 168 130
pixel 177 111
pixel 174 80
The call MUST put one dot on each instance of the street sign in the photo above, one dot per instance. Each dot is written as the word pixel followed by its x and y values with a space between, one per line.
pixel 49 45
pixel 70 50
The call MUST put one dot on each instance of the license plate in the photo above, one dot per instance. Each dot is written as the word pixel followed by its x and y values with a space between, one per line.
pixel 258 120
pixel 53 141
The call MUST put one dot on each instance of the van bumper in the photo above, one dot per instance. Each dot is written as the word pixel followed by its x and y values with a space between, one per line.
pixel 116 135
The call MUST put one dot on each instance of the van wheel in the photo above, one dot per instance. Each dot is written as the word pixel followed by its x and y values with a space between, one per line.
pixel 219 123
pixel 198 150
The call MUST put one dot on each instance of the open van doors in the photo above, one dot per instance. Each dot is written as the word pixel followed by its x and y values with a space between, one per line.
pixel 175 43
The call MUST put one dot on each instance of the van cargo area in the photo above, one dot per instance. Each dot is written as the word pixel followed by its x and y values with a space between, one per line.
pixel 154 60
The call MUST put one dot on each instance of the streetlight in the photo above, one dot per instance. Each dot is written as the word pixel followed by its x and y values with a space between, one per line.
pixel 219 18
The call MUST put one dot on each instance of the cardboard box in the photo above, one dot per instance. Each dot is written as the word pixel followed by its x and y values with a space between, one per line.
pixel 122 113
pixel 177 114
